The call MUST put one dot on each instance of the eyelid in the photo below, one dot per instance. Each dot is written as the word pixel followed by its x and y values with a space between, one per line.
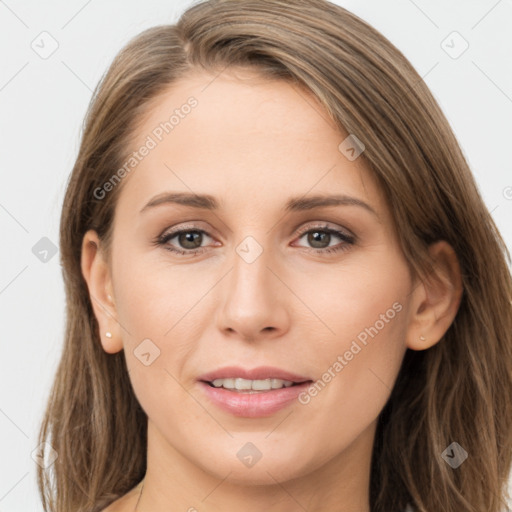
pixel 187 226
pixel 326 226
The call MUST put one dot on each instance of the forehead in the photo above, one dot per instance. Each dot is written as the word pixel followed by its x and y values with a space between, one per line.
pixel 240 136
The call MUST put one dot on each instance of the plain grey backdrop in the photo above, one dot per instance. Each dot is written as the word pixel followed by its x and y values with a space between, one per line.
pixel 54 53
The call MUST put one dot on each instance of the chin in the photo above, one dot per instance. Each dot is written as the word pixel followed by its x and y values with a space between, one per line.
pixel 266 470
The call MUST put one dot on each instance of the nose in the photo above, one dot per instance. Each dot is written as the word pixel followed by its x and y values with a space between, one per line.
pixel 253 302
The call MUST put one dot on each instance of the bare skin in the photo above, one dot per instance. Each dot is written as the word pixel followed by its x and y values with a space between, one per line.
pixel 253 144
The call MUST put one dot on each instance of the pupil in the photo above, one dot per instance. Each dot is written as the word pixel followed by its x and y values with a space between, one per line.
pixel 316 237
pixel 190 237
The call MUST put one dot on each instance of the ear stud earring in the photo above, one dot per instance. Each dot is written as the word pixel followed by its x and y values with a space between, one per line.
pixel 108 334
pixel 422 338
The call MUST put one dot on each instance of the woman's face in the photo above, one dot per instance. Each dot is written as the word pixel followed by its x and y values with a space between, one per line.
pixel 259 283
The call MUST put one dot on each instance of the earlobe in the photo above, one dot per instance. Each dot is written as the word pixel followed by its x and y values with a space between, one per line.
pixel 97 275
pixel 436 300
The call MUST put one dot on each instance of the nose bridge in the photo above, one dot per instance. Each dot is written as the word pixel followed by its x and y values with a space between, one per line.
pixel 251 297
pixel 250 275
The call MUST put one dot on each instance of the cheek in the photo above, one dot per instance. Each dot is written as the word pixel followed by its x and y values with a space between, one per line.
pixel 363 301
pixel 357 366
pixel 156 297
pixel 157 307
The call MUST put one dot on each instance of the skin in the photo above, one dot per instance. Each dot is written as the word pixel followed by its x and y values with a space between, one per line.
pixel 253 144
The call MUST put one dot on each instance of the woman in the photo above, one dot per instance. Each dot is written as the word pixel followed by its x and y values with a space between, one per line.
pixel 284 291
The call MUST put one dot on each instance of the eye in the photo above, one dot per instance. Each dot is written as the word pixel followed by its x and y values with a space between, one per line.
pixel 189 239
pixel 320 238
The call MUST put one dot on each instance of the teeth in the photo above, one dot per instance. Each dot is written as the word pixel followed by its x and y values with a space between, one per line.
pixel 255 385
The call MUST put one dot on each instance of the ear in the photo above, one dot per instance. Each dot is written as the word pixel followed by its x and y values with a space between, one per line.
pixel 436 299
pixel 96 272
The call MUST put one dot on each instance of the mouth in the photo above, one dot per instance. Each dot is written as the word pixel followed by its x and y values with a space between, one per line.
pixel 254 393
pixel 240 385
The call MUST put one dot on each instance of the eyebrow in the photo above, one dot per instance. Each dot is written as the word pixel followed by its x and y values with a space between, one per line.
pixel 294 204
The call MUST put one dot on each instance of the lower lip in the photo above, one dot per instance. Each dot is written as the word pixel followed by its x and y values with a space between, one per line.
pixel 253 405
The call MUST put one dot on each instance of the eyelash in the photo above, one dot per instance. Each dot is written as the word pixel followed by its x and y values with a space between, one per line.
pixel 349 240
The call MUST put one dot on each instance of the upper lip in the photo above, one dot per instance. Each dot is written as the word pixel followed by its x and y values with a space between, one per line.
pixel 259 373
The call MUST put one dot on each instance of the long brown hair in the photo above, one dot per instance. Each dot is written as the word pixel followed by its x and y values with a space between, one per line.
pixel 459 390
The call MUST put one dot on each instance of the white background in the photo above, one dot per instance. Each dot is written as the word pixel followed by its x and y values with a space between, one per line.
pixel 43 102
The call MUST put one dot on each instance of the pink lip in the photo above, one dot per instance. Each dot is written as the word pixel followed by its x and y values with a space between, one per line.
pixel 253 404
pixel 260 373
